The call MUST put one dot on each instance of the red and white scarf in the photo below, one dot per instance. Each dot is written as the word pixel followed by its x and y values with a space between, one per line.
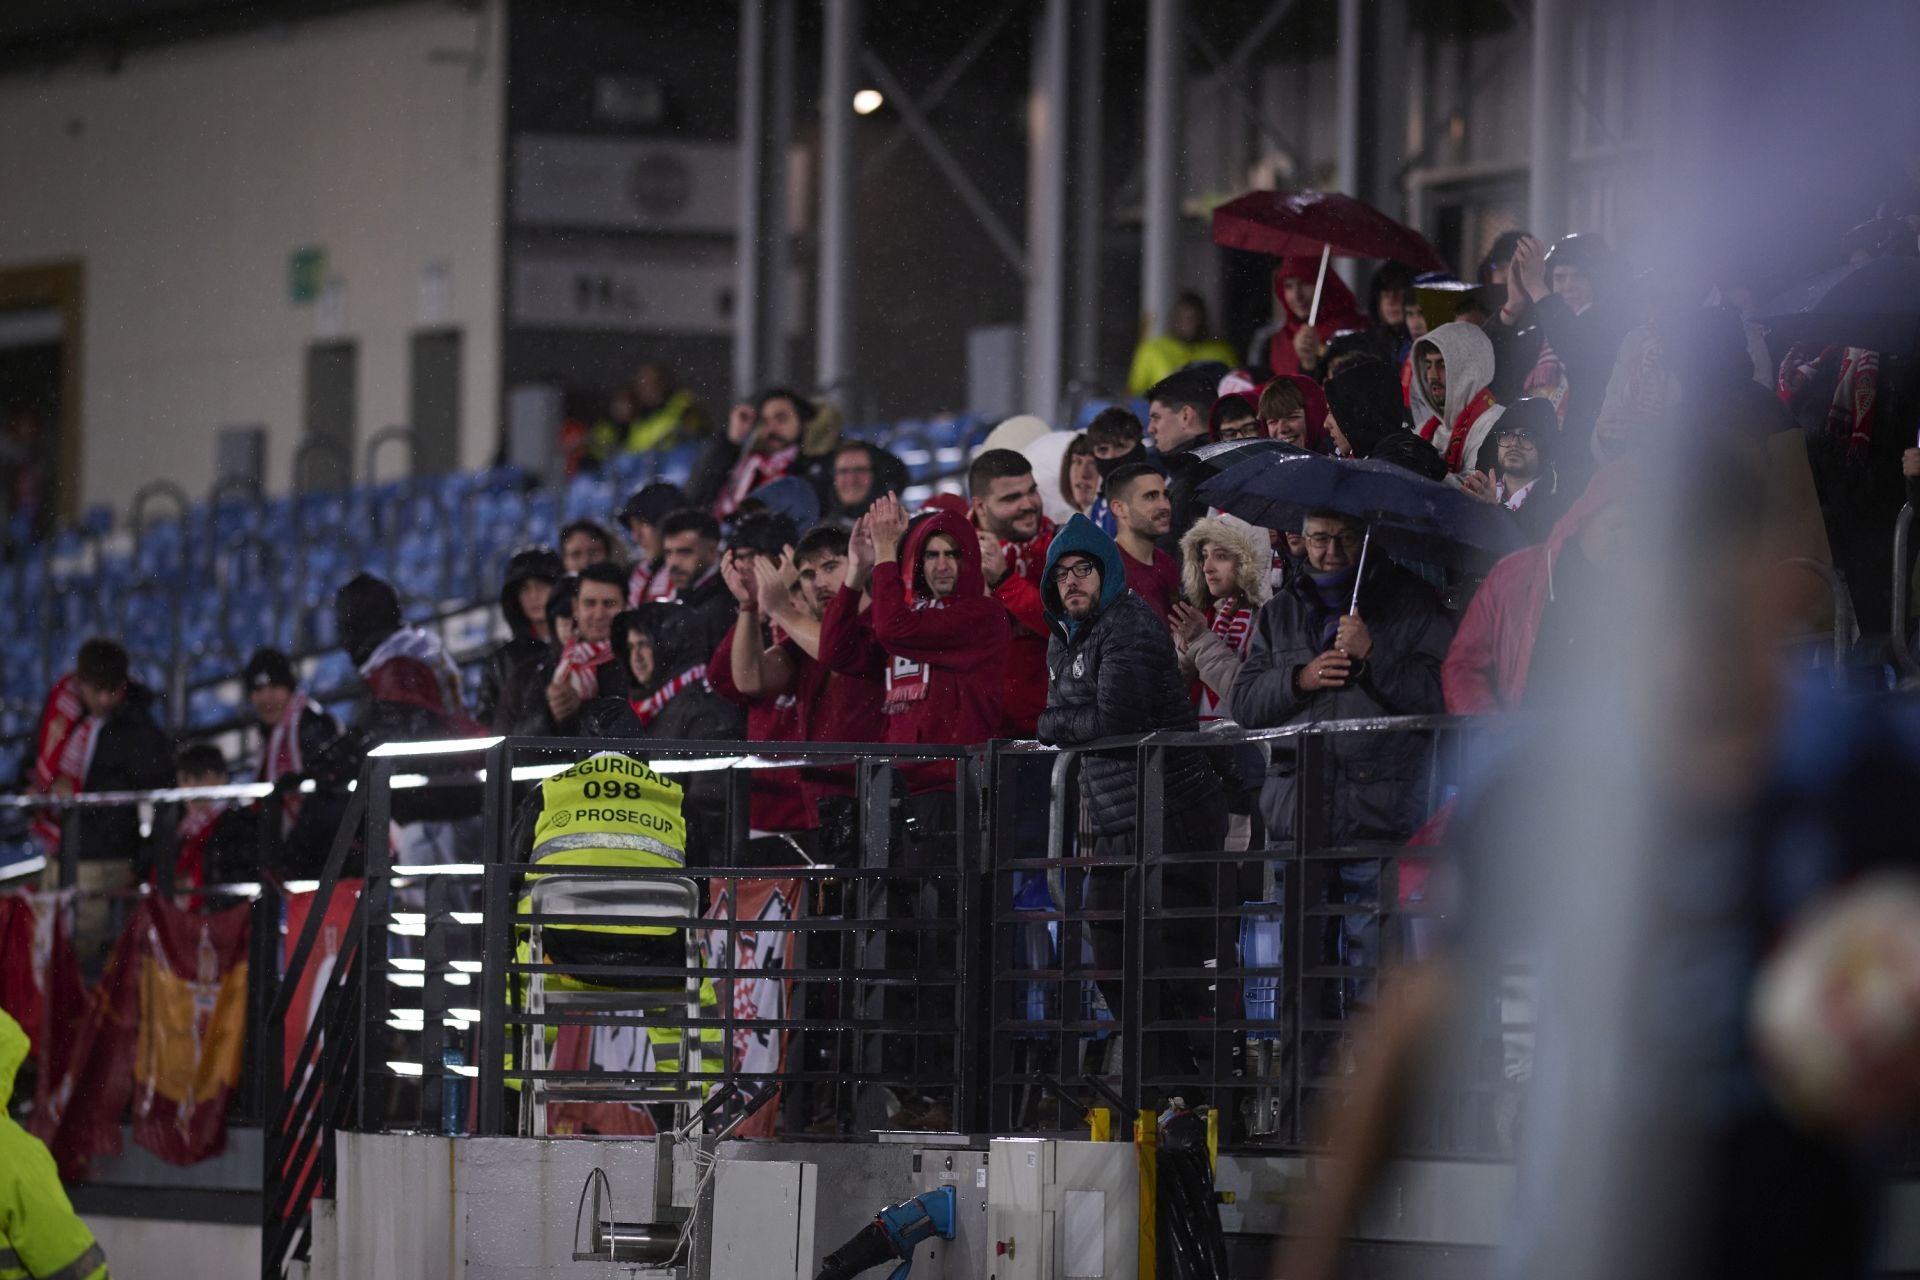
pixel 650 707
pixel 1462 427
pixel 280 756
pixel 753 471
pixel 1232 621
pixel 1850 416
pixel 62 718
pixel 579 666
pixel 645 584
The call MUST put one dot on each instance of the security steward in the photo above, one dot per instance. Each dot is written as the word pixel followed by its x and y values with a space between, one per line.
pixel 40 1235
pixel 612 810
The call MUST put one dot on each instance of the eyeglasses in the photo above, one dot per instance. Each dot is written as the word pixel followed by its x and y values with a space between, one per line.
pixel 1515 437
pixel 1321 541
pixel 1081 569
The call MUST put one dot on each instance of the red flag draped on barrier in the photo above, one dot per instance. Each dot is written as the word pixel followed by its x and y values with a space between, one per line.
pixel 40 982
pixel 311 982
pixel 164 1035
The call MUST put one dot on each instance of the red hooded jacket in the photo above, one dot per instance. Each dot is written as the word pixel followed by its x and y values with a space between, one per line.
pixel 1338 311
pixel 1492 651
pixel 945 675
pixel 1019 591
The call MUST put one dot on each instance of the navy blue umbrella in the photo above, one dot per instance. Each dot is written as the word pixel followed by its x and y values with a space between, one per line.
pixel 1873 304
pixel 1412 518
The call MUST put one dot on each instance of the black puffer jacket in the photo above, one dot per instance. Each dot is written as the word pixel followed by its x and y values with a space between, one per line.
pixel 1376 777
pixel 1116 673
pixel 513 688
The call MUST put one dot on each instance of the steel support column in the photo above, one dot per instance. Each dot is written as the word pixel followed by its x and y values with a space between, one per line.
pixel 1047 212
pixel 833 361
pixel 749 303
pixel 1089 201
pixel 774 299
pixel 1160 232
pixel 1552 135
pixel 1348 52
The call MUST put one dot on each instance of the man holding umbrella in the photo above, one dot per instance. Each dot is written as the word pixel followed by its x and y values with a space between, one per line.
pixel 1347 640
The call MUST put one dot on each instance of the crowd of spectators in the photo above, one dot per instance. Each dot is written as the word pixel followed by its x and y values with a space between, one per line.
pixel 787 594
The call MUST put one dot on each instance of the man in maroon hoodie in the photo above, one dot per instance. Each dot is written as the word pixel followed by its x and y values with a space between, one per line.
pixel 941 641
pixel 1014 537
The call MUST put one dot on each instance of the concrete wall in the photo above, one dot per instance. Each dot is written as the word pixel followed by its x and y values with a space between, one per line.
pixel 164 1249
pixel 183 180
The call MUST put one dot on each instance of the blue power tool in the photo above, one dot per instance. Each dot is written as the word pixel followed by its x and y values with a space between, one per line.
pixel 894 1235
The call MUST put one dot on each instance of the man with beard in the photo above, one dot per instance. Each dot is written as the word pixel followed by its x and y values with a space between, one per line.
pixel 1453 405
pixel 862 473
pixel 1138 494
pixel 762 442
pixel 293 730
pixel 1179 409
pixel 1522 478
pixel 690 544
pixel 1014 534
pixel 1112 672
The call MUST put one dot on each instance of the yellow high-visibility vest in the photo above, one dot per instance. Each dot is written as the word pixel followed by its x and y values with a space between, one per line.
pixel 609 811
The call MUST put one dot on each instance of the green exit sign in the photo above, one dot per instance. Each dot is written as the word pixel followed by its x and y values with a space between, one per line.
pixel 306 272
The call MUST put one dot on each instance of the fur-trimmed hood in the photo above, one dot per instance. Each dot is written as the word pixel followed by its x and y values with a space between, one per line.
pixel 1250 545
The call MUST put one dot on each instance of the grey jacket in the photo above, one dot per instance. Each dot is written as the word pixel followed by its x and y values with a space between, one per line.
pixel 1376 778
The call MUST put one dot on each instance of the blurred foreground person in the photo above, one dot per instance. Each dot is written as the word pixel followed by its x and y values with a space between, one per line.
pixel 1690 1114
pixel 40 1234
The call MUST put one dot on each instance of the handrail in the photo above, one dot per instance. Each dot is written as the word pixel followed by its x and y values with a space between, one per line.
pixel 1903 656
pixel 306 449
pixel 1238 734
pixel 379 440
pixel 136 510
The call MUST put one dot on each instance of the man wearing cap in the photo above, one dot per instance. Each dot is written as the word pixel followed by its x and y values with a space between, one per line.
pixel 293 730
pixel 641 515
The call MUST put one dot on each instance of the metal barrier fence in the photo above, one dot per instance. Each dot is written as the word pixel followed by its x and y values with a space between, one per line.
pixel 982 958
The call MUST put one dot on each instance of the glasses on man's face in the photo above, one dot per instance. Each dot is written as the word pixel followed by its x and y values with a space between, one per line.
pixel 1517 437
pixel 1080 569
pixel 1245 429
pixel 1321 541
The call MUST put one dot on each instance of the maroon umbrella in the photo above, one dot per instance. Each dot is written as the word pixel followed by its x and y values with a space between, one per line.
pixel 1285 223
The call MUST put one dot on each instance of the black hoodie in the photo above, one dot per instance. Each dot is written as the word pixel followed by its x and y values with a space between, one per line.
pixel 513 688
pixel 131 753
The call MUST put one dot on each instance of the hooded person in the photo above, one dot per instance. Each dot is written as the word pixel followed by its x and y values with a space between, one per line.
pixel 1518 456
pixel 1112 671
pixel 413 695
pixel 945 637
pixel 862 473
pixel 1293 288
pixel 1226 576
pixel 1316 658
pixel 660 648
pixel 1453 405
pixel 513 683
pixel 1364 419
pixel 40 1234
pixel 1491 659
